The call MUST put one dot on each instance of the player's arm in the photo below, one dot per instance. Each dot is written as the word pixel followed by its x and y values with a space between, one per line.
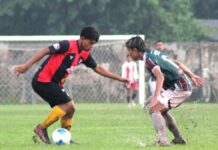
pixel 90 62
pixel 159 84
pixel 56 48
pixel 106 73
pixel 24 67
pixel 197 80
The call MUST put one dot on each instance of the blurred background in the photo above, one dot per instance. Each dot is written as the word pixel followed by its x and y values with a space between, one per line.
pixel 189 28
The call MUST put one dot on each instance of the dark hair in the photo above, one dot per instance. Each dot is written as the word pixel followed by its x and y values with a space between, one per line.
pixel 136 42
pixel 158 41
pixel 90 33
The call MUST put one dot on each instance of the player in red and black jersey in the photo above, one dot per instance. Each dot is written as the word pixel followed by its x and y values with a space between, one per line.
pixel 50 77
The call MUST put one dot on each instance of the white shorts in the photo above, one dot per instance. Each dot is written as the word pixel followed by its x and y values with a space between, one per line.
pixel 152 85
pixel 172 99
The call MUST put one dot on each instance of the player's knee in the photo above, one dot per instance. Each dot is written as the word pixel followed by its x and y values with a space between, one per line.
pixel 152 110
pixel 158 108
pixel 71 107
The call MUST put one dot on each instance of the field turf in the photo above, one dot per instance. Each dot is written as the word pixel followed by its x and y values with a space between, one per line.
pixel 109 127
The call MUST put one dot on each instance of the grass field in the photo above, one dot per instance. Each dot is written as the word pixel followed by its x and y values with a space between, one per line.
pixel 109 127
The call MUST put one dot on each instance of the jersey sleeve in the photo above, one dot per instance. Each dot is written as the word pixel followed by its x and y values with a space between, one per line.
pixel 90 62
pixel 60 47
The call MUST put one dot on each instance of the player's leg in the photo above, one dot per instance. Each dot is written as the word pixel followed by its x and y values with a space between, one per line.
pixel 54 95
pixel 128 91
pixel 172 126
pixel 134 88
pixel 177 97
pixel 67 119
pixel 159 123
pixel 41 129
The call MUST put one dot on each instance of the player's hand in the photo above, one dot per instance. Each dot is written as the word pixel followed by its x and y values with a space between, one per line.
pixel 197 80
pixel 154 101
pixel 125 80
pixel 127 85
pixel 20 69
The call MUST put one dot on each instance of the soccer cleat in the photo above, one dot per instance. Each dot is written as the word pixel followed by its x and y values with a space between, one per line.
pixel 73 142
pixel 129 105
pixel 163 143
pixel 46 135
pixel 133 104
pixel 158 143
pixel 43 134
pixel 179 141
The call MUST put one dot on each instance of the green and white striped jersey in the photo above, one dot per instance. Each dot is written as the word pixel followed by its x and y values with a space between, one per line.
pixel 169 70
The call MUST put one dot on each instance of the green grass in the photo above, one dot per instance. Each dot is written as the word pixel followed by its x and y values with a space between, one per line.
pixel 109 127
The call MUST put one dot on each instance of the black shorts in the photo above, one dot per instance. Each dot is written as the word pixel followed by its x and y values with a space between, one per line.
pixel 51 92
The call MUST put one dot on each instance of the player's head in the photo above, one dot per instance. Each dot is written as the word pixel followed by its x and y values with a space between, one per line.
pixel 88 37
pixel 136 47
pixel 159 45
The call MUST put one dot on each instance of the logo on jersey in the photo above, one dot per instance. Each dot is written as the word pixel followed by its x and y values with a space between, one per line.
pixel 71 57
pixel 70 70
pixel 80 61
pixel 56 46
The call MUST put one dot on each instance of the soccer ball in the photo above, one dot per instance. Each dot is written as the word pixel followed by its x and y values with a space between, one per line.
pixel 61 136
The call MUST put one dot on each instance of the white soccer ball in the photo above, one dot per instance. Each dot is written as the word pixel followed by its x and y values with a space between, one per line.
pixel 61 136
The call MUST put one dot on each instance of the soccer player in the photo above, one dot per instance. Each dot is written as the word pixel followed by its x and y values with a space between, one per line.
pixel 130 71
pixel 51 75
pixel 172 76
pixel 160 46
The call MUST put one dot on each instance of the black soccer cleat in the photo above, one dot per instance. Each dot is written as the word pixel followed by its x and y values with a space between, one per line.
pixel 73 142
pixel 179 141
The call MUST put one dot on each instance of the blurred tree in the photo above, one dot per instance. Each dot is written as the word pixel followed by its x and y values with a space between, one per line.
pixel 205 9
pixel 170 20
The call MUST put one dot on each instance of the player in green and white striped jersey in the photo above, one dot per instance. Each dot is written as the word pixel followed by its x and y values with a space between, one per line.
pixel 170 75
pixel 160 46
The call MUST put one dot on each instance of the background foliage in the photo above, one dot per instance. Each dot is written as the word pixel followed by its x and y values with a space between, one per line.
pixel 171 20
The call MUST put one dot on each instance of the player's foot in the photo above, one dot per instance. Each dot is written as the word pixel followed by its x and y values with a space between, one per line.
pixel 179 141
pixel 158 143
pixel 133 104
pixel 43 134
pixel 73 142
pixel 165 143
pixel 46 135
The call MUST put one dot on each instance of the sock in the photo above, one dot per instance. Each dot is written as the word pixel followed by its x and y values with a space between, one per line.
pixel 159 125
pixel 128 99
pixel 54 115
pixel 134 95
pixel 171 124
pixel 66 123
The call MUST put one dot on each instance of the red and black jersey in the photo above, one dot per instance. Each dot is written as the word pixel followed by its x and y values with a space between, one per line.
pixel 64 57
